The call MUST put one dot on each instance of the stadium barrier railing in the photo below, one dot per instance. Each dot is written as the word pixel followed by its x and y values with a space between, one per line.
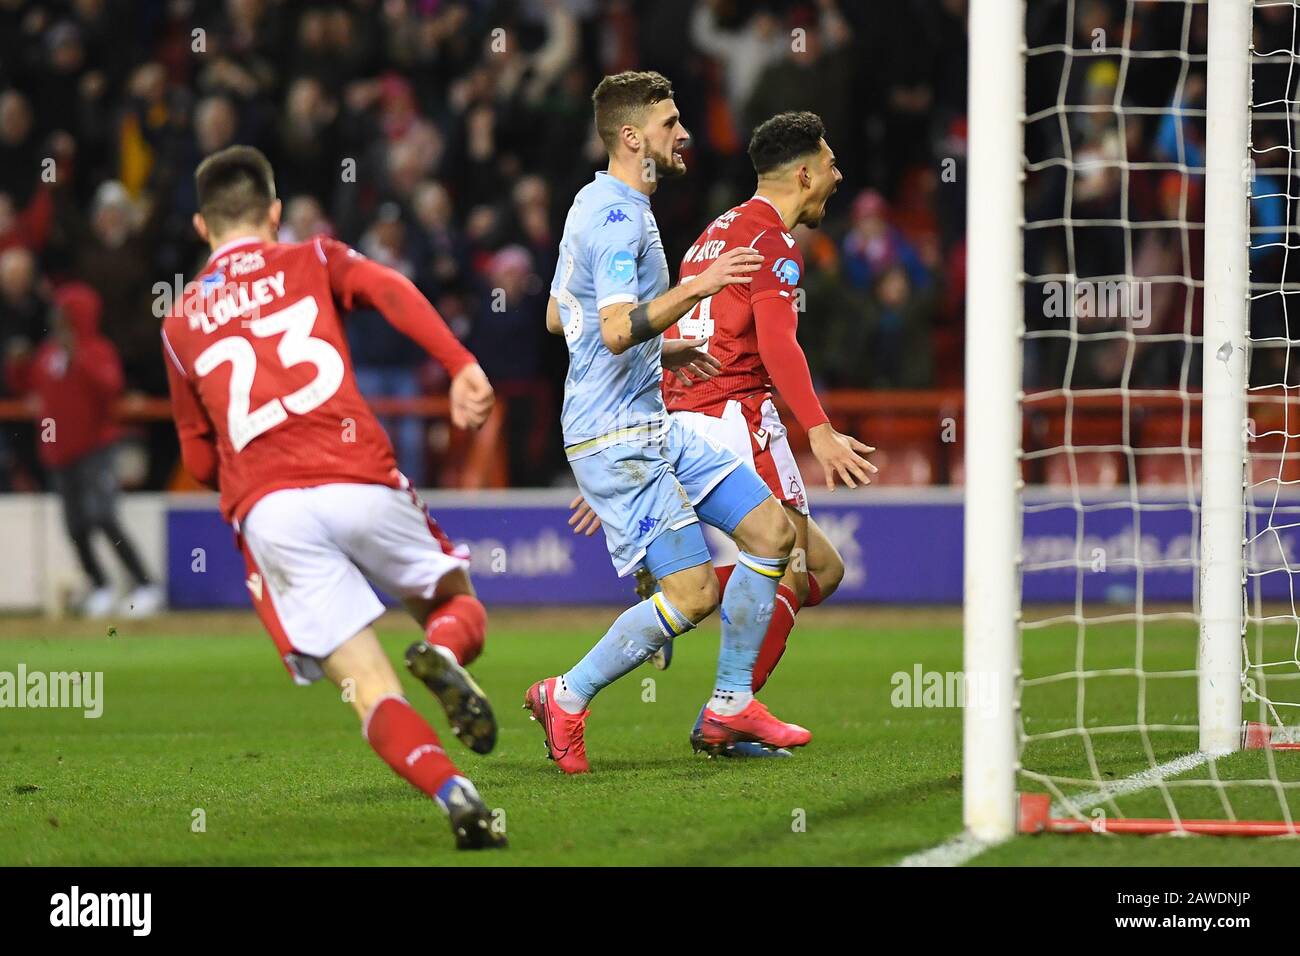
pixel 918 435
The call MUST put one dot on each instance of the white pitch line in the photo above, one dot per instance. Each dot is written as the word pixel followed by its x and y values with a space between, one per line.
pixel 1141 780
pixel 963 848
pixel 960 849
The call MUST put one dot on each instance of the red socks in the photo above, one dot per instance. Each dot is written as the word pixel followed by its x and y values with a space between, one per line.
pixel 723 571
pixel 784 608
pixel 814 592
pixel 460 625
pixel 408 744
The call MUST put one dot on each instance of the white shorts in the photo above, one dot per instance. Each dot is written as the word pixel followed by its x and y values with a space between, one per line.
pixel 312 553
pixel 754 431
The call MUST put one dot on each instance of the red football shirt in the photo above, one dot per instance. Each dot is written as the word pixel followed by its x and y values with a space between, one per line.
pixel 727 319
pixel 259 368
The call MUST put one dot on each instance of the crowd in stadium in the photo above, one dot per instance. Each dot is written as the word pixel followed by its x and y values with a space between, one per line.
pixel 447 137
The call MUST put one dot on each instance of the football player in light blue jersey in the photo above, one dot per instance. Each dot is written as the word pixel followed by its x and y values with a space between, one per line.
pixel 649 479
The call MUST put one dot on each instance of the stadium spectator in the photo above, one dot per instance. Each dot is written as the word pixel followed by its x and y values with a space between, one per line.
pixel 873 245
pixel 23 319
pixel 387 363
pixel 303 219
pixel 815 74
pixel 446 256
pixel 507 306
pixel 744 53
pixel 76 378
pixel 20 154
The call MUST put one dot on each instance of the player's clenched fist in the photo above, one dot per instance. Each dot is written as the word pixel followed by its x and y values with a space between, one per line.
pixel 838 455
pixel 471 397
pixel 730 268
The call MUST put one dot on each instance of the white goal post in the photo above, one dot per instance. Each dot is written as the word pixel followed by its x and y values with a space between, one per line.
pixel 1147 684
pixel 1223 374
pixel 991 604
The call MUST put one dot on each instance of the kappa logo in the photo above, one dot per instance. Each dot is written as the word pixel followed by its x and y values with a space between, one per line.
pixel 760 438
pixel 646 526
pixel 254 583
pixel 616 215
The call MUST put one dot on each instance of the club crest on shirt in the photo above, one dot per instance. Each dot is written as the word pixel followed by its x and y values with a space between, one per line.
pixel 212 281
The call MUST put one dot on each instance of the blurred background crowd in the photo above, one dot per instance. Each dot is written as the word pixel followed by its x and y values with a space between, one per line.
pixel 446 138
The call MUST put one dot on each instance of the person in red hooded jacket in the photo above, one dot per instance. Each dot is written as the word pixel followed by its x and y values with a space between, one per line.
pixel 75 376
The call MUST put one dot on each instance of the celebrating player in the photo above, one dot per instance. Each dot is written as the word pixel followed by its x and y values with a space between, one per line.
pixel 649 478
pixel 750 330
pixel 268 411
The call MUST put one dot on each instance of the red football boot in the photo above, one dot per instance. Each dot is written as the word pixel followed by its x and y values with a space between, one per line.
pixel 563 730
pixel 755 723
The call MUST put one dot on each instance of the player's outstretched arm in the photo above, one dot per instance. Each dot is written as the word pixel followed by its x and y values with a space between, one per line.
pixel 625 324
pixel 194 429
pixel 353 278
pixel 776 322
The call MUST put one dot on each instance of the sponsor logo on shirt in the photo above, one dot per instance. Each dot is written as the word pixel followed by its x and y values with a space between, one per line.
pixel 616 215
pixel 211 281
pixel 724 221
pixel 242 263
pixel 622 268
pixel 787 270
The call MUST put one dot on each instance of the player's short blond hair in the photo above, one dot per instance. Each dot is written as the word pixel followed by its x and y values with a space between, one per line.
pixel 622 99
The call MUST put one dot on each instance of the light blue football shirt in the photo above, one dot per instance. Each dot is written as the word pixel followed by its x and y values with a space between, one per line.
pixel 610 252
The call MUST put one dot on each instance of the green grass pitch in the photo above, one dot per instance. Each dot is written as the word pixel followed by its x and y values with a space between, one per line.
pixel 199 715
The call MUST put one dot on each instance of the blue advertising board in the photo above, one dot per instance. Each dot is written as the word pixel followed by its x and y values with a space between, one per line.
pixel 899 547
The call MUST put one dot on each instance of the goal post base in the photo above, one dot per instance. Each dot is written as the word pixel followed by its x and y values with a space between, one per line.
pixel 1036 817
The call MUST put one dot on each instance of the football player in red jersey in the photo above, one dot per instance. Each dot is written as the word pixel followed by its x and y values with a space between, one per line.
pixel 750 330
pixel 268 411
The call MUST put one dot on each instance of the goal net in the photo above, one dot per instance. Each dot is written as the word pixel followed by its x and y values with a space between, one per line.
pixel 1151 663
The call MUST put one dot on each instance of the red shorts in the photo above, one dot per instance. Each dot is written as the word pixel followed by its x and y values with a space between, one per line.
pixel 752 429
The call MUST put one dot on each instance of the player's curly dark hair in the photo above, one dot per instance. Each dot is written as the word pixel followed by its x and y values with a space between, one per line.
pixel 785 137
pixel 623 98
pixel 234 185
